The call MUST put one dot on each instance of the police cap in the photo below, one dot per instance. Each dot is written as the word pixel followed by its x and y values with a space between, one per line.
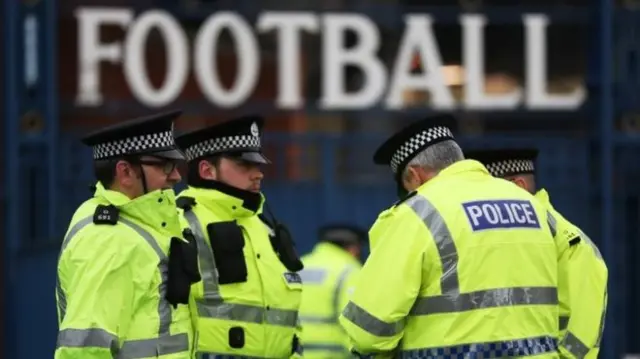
pixel 343 234
pixel 403 146
pixel 506 162
pixel 240 137
pixel 150 135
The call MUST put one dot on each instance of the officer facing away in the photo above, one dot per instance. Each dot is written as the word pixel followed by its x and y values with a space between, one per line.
pixel 247 303
pixel 465 264
pixel 328 277
pixel 125 269
pixel 583 273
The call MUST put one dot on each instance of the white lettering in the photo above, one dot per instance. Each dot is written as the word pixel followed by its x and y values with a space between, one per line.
pixel 529 213
pixel 501 217
pixel 536 69
pixel 288 27
pixel 473 53
pixel 419 38
pixel 517 212
pixel 490 213
pixel 248 57
pixel 176 53
pixel 474 212
pixel 91 51
pixel 335 56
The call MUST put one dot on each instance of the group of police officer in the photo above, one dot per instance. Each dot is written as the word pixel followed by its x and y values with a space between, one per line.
pixel 465 265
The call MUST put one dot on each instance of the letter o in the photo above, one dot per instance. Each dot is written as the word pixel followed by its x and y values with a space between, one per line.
pixel 176 53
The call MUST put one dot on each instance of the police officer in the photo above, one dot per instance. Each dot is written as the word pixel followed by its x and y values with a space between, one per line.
pixel 247 303
pixel 328 277
pixel 464 265
pixel 583 273
pixel 125 270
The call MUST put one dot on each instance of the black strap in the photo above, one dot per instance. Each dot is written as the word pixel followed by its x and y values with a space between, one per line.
pixel 186 203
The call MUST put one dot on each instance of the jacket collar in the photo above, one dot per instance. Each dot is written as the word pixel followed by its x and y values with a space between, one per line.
pixel 219 196
pixel 155 209
pixel 464 166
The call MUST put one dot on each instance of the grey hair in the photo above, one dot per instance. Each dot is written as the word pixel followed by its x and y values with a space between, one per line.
pixel 436 157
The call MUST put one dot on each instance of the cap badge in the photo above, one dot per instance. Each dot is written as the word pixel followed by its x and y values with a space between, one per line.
pixel 254 130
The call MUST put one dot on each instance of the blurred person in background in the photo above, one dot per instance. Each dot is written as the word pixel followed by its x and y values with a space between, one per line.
pixel 247 303
pixel 464 265
pixel 583 273
pixel 125 269
pixel 328 278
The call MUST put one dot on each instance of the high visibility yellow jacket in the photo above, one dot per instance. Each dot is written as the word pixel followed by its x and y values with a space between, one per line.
pixel 112 281
pixel 582 288
pixel 247 302
pixel 328 277
pixel 466 265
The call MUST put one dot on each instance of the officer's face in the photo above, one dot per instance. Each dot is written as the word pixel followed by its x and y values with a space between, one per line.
pixel 239 173
pixel 159 173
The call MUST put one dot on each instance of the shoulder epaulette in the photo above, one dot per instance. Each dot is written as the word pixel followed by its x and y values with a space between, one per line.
pixel 186 203
pixel 403 199
pixel 106 215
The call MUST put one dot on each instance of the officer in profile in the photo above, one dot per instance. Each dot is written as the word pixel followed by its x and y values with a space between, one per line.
pixel 247 303
pixel 465 264
pixel 328 277
pixel 583 273
pixel 125 268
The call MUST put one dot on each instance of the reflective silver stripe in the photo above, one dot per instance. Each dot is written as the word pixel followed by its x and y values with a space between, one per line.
pixel 213 305
pixel 132 349
pixel 574 346
pixel 152 348
pixel 88 338
pixel 328 347
pixel 338 290
pixel 449 282
pixel 62 297
pixel 313 275
pixel 208 269
pixel 247 313
pixel 490 298
pixel 306 319
pixel 370 323
pixel 564 322
pixel 501 349
pixel 603 318
pixel 553 224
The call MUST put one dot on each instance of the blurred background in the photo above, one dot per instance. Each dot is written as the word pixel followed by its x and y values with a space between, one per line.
pixel 322 167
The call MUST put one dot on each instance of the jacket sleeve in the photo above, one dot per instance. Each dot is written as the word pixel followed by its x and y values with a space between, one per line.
pixel 587 275
pixel 388 283
pixel 99 297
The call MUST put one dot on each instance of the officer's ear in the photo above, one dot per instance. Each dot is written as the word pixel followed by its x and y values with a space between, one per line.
pixel 125 173
pixel 520 182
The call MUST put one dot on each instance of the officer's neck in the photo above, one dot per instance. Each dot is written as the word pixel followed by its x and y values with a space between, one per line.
pixel 250 200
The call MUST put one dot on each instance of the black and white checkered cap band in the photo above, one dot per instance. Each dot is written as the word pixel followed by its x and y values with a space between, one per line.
pixel 134 144
pixel 409 148
pixel 222 144
pixel 508 167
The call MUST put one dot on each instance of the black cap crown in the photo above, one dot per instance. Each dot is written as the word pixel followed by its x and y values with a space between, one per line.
pixel 398 150
pixel 241 137
pixel 150 135
pixel 506 162
pixel 342 234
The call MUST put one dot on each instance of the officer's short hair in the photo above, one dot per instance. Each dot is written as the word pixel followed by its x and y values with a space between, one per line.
pixel 436 157
pixel 105 171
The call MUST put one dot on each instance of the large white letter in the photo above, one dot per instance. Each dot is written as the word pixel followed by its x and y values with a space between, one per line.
pixel 335 56
pixel 206 64
pixel 288 26
pixel 419 37
pixel 176 54
pixel 536 54
pixel 475 97
pixel 91 52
